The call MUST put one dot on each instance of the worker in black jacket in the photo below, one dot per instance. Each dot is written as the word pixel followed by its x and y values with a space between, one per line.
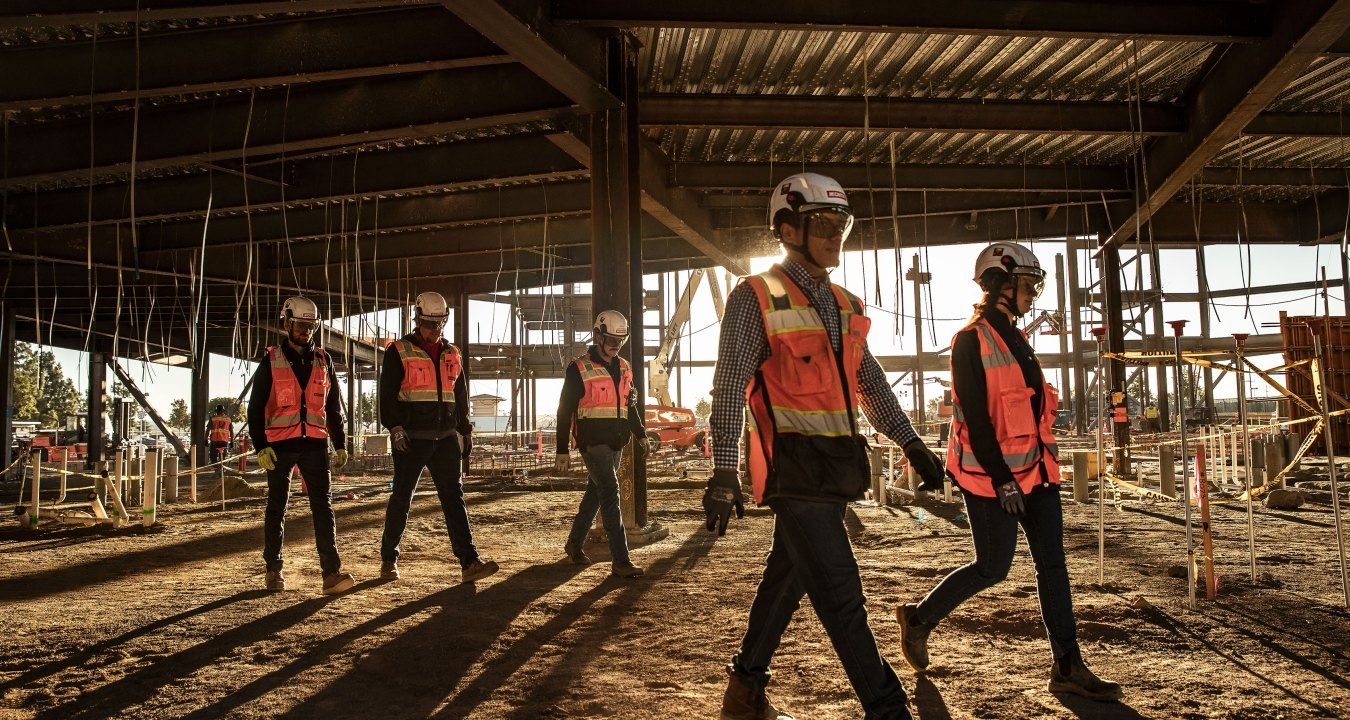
pixel 424 403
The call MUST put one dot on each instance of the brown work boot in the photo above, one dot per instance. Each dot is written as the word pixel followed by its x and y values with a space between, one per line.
pixel 1070 674
pixel 477 570
pixel 576 554
pixel 625 570
pixel 337 582
pixel 389 570
pixel 275 580
pixel 743 701
pixel 913 637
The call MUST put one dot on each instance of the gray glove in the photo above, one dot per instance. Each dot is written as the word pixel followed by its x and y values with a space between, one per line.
pixel 1010 497
pixel 722 495
pixel 398 438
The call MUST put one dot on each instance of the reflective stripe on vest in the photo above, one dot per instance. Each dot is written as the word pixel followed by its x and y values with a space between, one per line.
pixel 220 428
pixel 798 388
pixel 1022 436
pixel 287 402
pixel 600 399
pixel 421 381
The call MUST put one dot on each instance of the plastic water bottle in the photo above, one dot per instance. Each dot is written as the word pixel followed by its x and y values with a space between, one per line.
pixel 921 515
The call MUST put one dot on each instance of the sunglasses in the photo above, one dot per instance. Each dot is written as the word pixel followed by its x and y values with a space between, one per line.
pixel 828 223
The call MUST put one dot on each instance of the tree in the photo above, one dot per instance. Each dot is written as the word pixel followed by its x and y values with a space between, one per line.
pixel 703 409
pixel 178 414
pixel 42 392
pixel 235 409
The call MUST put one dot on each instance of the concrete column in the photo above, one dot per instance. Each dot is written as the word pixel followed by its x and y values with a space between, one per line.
pixel 1167 470
pixel 1075 326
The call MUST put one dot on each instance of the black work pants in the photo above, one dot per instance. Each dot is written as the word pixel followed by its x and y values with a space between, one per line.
pixel 442 459
pixel 313 464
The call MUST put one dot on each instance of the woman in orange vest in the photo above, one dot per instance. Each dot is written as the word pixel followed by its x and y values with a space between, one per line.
pixel 294 411
pixel 1003 455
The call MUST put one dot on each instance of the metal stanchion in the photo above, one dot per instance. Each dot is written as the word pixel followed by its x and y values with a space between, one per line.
pixel 1100 334
pixel 1323 398
pixel 1241 340
pixel 1177 325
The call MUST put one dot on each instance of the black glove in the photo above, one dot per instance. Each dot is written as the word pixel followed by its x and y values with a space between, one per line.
pixel 723 493
pixel 927 464
pixel 1010 497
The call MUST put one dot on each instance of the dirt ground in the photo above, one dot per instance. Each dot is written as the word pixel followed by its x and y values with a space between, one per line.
pixel 174 623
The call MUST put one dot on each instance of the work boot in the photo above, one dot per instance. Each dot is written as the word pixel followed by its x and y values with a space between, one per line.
pixel 389 570
pixel 1070 674
pixel 337 582
pixel 625 570
pixel 576 554
pixel 477 570
pixel 744 701
pixel 275 580
pixel 913 637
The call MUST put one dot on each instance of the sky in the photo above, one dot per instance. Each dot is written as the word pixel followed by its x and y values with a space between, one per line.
pixel 872 276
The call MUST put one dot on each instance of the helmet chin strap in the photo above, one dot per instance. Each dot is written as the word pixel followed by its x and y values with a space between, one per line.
pixel 1009 303
pixel 805 247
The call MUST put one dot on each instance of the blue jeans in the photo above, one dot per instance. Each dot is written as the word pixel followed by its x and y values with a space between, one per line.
pixel 994 533
pixel 811 556
pixel 602 494
pixel 442 459
pixel 313 466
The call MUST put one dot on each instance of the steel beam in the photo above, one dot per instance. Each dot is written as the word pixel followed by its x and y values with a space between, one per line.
pixel 576 74
pixel 96 12
pixel 888 114
pixel 1231 94
pixel 273 121
pixel 291 51
pixel 910 176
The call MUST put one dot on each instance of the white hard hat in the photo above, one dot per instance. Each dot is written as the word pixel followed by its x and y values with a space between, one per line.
pixel 803 193
pixel 611 322
pixel 1009 257
pixel 431 306
pixel 299 308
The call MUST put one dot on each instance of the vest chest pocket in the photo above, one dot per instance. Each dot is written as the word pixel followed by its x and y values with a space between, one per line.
pixel 1015 416
pixel 807 363
pixel 603 391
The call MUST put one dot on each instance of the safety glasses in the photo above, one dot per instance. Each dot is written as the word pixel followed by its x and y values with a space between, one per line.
pixel 430 324
pixel 828 223
pixel 615 341
pixel 1031 285
pixel 304 327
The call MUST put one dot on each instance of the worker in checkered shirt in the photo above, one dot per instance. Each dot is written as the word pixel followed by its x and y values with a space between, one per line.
pixel 794 350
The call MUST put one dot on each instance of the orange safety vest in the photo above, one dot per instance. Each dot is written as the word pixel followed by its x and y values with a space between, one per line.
pixel 601 400
pixel 798 389
pixel 1023 437
pixel 220 428
pixel 291 412
pixel 423 379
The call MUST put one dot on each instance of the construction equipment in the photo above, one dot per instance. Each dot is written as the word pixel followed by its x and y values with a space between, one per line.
pixel 666 423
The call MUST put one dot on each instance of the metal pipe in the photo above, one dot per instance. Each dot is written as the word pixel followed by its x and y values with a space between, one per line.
pixel 1100 333
pixel 34 511
pixel 1315 325
pixel 65 472
pixel 1241 340
pixel 1177 325
pixel 149 486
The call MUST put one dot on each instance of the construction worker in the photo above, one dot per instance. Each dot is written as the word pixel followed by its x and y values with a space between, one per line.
pixel 599 406
pixel 424 403
pixel 1151 423
pixel 294 412
pixel 220 430
pixel 1003 456
pixel 794 348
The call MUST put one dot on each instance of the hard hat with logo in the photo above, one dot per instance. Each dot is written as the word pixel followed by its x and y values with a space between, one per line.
pixel 1009 257
pixel 612 323
pixel 806 192
pixel 299 308
pixel 431 306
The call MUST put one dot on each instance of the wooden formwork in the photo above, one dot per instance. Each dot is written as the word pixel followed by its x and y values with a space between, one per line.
pixel 1298 345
